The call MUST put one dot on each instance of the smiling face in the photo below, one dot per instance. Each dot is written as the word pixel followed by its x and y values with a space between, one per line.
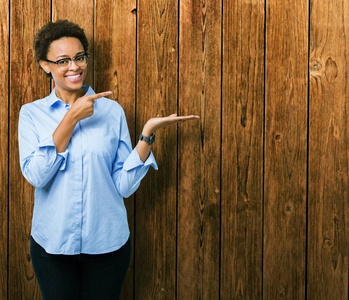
pixel 69 81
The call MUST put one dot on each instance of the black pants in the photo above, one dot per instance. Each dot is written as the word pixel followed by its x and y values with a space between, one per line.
pixel 84 276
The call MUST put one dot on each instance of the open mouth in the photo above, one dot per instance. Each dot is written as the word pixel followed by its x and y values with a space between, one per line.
pixel 74 77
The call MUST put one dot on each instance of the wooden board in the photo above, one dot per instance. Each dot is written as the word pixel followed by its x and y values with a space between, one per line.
pixel 81 13
pixel 115 70
pixel 199 150
pixel 285 165
pixel 4 168
pixel 27 83
pixel 328 151
pixel 242 149
pixel 155 213
pixel 251 201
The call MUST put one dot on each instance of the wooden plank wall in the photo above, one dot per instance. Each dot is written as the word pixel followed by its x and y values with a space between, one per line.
pixel 251 201
pixel 285 153
pixel 328 206
pixel 4 168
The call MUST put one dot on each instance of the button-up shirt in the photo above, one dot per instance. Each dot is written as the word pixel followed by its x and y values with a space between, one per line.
pixel 79 193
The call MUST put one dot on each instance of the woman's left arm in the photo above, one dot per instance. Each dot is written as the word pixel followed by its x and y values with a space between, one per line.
pixel 130 167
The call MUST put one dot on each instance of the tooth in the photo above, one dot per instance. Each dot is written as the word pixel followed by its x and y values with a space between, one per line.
pixel 74 76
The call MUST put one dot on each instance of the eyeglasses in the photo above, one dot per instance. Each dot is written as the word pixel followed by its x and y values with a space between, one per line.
pixel 65 63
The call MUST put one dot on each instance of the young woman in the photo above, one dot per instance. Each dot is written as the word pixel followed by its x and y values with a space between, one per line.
pixel 75 148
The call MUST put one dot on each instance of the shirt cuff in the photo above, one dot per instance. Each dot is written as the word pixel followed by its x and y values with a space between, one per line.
pixel 49 143
pixel 134 161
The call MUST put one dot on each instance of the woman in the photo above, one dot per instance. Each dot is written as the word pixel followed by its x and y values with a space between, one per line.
pixel 75 149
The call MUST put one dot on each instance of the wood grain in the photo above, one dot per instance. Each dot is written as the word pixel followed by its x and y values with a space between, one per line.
pixel 27 83
pixel 155 231
pixel 4 168
pixel 242 149
pixel 199 150
pixel 285 150
pixel 234 220
pixel 115 70
pixel 81 13
pixel 328 153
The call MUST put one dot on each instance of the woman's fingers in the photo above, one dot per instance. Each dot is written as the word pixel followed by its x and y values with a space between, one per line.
pixel 100 95
pixel 93 97
pixel 83 107
pixel 157 123
pixel 179 119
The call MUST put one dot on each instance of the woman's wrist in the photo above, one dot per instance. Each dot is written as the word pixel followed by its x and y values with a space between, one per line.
pixel 71 118
pixel 147 130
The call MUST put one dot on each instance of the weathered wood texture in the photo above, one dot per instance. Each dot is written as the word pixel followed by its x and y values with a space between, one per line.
pixel 198 237
pixel 4 94
pixel 328 151
pixel 285 173
pixel 250 201
pixel 155 213
pixel 115 70
pixel 242 149
pixel 27 83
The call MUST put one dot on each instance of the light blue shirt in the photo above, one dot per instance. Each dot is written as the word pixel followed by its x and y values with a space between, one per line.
pixel 78 201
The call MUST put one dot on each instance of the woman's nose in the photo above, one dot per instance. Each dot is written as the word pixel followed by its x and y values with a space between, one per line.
pixel 73 65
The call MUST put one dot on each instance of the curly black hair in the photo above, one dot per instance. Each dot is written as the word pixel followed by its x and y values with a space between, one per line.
pixel 53 31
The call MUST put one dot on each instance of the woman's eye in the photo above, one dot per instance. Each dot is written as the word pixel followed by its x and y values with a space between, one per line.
pixel 79 58
pixel 63 62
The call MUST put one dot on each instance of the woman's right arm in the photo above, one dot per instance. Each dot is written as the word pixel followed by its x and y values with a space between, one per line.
pixel 82 108
pixel 41 158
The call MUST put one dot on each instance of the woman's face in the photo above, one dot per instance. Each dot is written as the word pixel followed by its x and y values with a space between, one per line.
pixel 71 79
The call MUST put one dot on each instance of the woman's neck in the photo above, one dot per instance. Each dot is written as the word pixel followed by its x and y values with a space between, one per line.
pixel 69 97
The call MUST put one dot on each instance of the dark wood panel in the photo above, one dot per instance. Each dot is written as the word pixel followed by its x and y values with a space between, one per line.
pixel 187 244
pixel 115 70
pixel 81 13
pixel 242 149
pixel 199 150
pixel 285 149
pixel 28 83
pixel 328 153
pixel 155 226
pixel 4 93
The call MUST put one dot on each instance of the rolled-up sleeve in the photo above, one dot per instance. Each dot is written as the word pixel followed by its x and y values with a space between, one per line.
pixel 128 168
pixel 39 159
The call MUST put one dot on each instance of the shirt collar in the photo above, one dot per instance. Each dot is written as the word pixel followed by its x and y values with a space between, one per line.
pixel 52 98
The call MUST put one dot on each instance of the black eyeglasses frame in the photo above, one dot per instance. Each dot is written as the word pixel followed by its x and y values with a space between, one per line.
pixel 70 59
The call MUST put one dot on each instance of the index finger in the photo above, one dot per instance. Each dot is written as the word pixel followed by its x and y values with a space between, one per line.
pixel 100 95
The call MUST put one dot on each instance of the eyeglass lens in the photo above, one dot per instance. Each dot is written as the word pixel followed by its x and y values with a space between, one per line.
pixel 80 61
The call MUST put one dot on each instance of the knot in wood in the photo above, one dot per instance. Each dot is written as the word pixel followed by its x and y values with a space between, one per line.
pixel 319 68
pixel 316 67
pixel 327 243
pixel 331 69
pixel 288 208
pixel 282 293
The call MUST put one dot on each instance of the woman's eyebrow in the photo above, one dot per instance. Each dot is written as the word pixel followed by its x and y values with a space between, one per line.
pixel 65 55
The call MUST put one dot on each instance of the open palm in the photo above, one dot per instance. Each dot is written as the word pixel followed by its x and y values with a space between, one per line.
pixel 154 124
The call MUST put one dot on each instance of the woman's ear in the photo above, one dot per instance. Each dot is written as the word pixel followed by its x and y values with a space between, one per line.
pixel 44 65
